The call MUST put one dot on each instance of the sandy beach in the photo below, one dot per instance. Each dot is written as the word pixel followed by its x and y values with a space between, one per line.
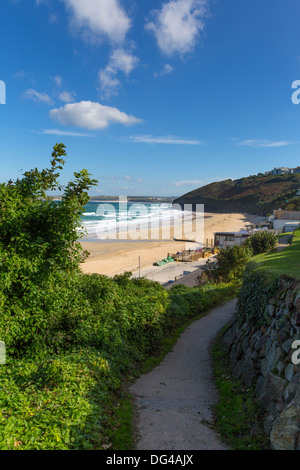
pixel 112 257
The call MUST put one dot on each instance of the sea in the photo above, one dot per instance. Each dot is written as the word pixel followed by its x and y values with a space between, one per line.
pixel 102 219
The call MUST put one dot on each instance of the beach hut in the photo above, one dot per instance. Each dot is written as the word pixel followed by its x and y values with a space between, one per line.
pixel 228 239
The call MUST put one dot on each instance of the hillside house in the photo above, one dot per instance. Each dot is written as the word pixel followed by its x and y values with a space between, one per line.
pixel 282 170
pixel 285 221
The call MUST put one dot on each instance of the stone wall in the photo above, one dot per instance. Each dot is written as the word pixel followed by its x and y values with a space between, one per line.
pixel 262 357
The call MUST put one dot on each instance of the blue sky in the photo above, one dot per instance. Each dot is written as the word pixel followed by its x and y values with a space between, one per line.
pixel 152 97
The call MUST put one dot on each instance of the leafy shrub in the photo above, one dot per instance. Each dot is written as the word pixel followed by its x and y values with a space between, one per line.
pixel 231 263
pixel 56 398
pixel 35 227
pixel 55 403
pixel 187 302
pixel 262 242
pixel 127 316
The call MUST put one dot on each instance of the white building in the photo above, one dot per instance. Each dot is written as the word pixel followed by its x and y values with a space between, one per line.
pixel 285 221
pixel 281 171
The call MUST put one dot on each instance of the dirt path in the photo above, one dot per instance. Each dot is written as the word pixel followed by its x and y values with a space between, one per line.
pixel 284 242
pixel 174 401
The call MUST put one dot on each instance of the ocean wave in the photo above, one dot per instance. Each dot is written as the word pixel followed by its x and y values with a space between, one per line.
pixel 107 226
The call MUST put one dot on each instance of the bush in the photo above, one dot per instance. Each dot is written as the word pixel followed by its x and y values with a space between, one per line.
pixel 55 391
pixel 126 320
pixel 39 318
pixel 38 229
pixel 187 302
pixel 231 264
pixel 262 242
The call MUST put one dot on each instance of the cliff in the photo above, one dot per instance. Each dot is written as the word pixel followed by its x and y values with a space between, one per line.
pixel 259 194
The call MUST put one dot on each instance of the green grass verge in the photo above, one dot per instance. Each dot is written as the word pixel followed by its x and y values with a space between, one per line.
pixel 284 262
pixel 238 416
pixel 119 426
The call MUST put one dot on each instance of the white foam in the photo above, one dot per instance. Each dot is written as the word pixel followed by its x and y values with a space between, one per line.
pixel 133 219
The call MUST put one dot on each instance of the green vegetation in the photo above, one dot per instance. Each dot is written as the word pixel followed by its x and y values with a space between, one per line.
pixel 284 262
pixel 262 242
pixel 68 399
pixel 258 194
pixel 239 418
pixel 259 281
pixel 231 264
pixel 257 289
pixel 73 340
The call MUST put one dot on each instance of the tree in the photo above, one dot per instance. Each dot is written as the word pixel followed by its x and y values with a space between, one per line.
pixel 230 263
pixel 34 226
pixel 39 258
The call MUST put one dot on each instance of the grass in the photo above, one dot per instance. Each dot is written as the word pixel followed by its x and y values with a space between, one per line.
pixel 238 417
pixel 284 262
pixel 119 426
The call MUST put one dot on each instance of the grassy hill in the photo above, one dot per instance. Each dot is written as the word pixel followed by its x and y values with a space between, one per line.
pixel 284 262
pixel 259 194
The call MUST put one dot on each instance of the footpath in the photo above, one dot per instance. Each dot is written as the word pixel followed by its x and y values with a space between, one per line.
pixel 174 401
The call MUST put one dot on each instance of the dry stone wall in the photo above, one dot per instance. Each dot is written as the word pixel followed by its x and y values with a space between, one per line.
pixel 266 357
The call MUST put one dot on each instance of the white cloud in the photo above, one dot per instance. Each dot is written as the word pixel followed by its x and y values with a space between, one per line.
pixel 58 80
pixel 265 143
pixel 91 116
pixel 116 179
pixel 165 71
pixel 100 18
pixel 148 139
pixel 38 97
pixel 67 97
pixel 123 61
pixel 64 133
pixel 109 84
pixel 131 178
pixel 119 61
pixel 179 184
pixel 53 17
pixel 177 26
